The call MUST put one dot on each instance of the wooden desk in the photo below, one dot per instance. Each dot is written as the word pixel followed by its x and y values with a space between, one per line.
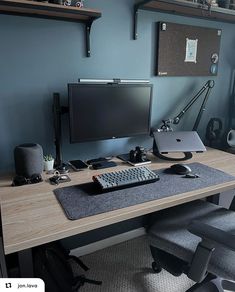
pixel 31 215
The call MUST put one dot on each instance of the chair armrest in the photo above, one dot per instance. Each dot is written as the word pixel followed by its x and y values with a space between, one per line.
pixel 213 235
pixel 232 206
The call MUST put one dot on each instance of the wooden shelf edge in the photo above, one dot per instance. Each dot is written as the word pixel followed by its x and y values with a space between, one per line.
pixel 188 8
pixel 46 9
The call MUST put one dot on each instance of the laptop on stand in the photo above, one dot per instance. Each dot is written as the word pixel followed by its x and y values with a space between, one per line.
pixel 179 141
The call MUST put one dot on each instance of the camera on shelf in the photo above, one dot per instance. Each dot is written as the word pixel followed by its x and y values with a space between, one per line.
pixel 78 4
pixel 137 155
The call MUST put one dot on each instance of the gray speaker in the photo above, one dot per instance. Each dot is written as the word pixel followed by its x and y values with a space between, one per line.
pixel 28 159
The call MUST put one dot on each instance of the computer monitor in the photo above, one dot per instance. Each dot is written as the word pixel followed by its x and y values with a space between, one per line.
pixel 108 111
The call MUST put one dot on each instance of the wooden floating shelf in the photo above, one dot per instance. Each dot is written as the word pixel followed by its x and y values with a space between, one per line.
pixel 184 8
pixel 47 10
pixel 51 11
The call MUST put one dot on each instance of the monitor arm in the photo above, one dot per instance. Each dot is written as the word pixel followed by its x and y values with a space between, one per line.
pixel 58 110
pixel 207 87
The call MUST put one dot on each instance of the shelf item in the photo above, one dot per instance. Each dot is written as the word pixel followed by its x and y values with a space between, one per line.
pixel 185 8
pixel 52 11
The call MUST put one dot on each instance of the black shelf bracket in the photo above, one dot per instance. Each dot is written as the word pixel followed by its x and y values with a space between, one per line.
pixel 136 13
pixel 137 6
pixel 87 35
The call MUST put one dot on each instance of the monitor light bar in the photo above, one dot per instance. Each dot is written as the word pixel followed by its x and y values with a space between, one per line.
pixel 115 80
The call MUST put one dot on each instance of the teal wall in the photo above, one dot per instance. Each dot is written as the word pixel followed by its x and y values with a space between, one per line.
pixel 39 57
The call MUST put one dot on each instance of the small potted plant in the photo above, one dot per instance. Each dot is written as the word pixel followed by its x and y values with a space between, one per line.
pixel 48 162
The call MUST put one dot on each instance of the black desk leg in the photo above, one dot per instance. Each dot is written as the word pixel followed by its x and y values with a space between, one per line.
pixel 214 199
pixel 3 267
pixel 25 258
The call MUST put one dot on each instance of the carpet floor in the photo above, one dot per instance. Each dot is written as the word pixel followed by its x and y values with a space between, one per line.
pixel 127 267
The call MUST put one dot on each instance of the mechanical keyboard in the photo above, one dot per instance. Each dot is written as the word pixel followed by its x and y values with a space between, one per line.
pixel 125 178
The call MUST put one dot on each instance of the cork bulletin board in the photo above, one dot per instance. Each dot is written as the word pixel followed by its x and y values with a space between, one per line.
pixel 185 50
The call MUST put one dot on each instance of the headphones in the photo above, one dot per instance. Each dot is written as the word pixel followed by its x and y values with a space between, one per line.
pixel 213 129
pixel 137 155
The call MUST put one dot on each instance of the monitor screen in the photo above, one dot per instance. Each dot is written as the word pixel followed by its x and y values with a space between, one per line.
pixel 108 111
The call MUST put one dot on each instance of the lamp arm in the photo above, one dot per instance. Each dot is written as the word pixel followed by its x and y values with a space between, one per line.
pixel 209 84
pixel 202 109
pixel 166 123
pixel 177 119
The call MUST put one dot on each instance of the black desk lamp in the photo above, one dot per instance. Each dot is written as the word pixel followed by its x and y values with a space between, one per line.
pixel 166 126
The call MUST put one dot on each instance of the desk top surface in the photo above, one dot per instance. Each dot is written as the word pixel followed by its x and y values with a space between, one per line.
pixel 31 214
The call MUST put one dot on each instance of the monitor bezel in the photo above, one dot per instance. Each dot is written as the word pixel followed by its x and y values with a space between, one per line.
pixel 126 85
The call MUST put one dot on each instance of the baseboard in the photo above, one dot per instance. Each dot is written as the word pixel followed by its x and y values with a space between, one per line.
pixel 83 250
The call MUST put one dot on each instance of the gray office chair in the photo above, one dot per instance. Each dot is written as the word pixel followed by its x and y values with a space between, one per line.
pixel 198 239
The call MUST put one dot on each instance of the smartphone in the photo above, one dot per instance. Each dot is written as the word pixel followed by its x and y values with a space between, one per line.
pixel 78 164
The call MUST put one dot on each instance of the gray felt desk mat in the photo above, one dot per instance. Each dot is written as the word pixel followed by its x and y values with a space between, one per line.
pixel 83 200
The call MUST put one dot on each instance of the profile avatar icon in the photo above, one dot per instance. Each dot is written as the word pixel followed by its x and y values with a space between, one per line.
pixel 8 285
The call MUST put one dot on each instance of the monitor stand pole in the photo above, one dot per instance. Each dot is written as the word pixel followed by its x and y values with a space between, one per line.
pixel 57 112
